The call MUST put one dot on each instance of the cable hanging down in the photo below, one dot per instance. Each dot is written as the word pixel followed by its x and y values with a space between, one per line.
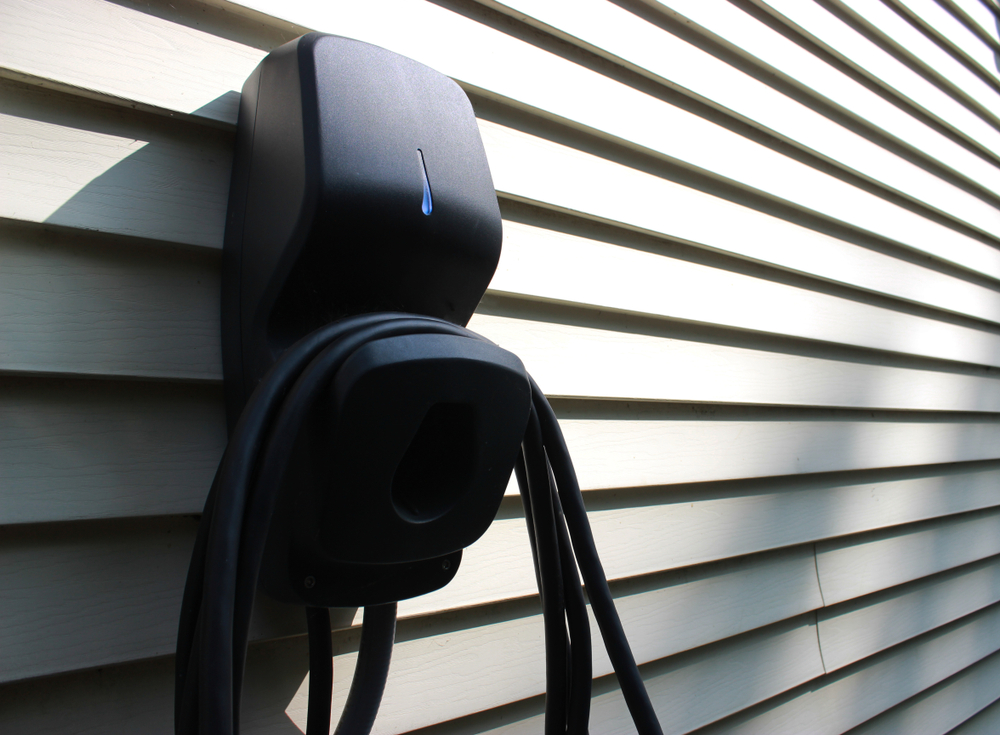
pixel 226 561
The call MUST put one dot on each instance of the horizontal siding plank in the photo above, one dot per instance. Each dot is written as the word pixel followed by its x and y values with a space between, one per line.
pixel 978 16
pixel 86 597
pixel 934 20
pixel 563 178
pixel 128 54
pixel 79 597
pixel 693 141
pixel 568 268
pixel 93 449
pixel 860 628
pixel 853 567
pixel 77 603
pixel 908 42
pixel 685 698
pixel 168 633
pixel 637 450
pixel 692 692
pixel 692 529
pixel 815 78
pixel 695 528
pixel 569 360
pixel 558 176
pixel 82 578
pixel 877 684
pixel 940 709
pixel 81 306
pixel 101 449
pixel 986 722
pixel 676 62
pixel 70 605
pixel 139 314
pixel 76 163
pixel 138 698
pixel 97 595
pixel 494 664
pixel 883 68
pixel 114 310
pixel 124 174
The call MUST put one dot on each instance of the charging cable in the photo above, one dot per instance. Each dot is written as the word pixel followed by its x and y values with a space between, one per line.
pixel 227 557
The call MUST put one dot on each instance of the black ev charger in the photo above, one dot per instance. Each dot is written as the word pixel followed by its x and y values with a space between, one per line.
pixel 371 434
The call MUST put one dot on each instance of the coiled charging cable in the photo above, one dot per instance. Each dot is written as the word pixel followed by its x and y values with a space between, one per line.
pixel 226 561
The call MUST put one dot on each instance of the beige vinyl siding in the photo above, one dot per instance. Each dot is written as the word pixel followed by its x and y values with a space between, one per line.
pixel 943 706
pixel 953 35
pixel 867 625
pixel 848 698
pixel 750 253
pixel 983 722
pixel 878 64
pixel 978 17
pixel 927 57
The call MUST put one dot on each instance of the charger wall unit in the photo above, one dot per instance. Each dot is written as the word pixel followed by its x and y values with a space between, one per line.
pixel 371 434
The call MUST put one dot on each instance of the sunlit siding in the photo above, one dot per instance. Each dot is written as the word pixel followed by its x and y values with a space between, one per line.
pixel 752 254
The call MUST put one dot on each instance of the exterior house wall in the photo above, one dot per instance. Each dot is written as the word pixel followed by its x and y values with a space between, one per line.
pixel 751 254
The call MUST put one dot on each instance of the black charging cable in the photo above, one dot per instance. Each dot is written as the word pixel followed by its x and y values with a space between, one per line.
pixel 226 561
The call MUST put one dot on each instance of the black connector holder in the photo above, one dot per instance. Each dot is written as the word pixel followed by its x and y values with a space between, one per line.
pixel 402 465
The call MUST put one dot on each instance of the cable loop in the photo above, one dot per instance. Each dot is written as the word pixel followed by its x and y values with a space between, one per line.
pixel 226 561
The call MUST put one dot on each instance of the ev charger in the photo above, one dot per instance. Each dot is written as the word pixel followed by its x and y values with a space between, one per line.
pixel 372 436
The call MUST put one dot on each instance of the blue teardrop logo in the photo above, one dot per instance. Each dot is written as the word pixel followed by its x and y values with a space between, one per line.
pixel 427 205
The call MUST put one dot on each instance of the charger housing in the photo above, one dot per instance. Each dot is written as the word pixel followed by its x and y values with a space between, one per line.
pixel 360 184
